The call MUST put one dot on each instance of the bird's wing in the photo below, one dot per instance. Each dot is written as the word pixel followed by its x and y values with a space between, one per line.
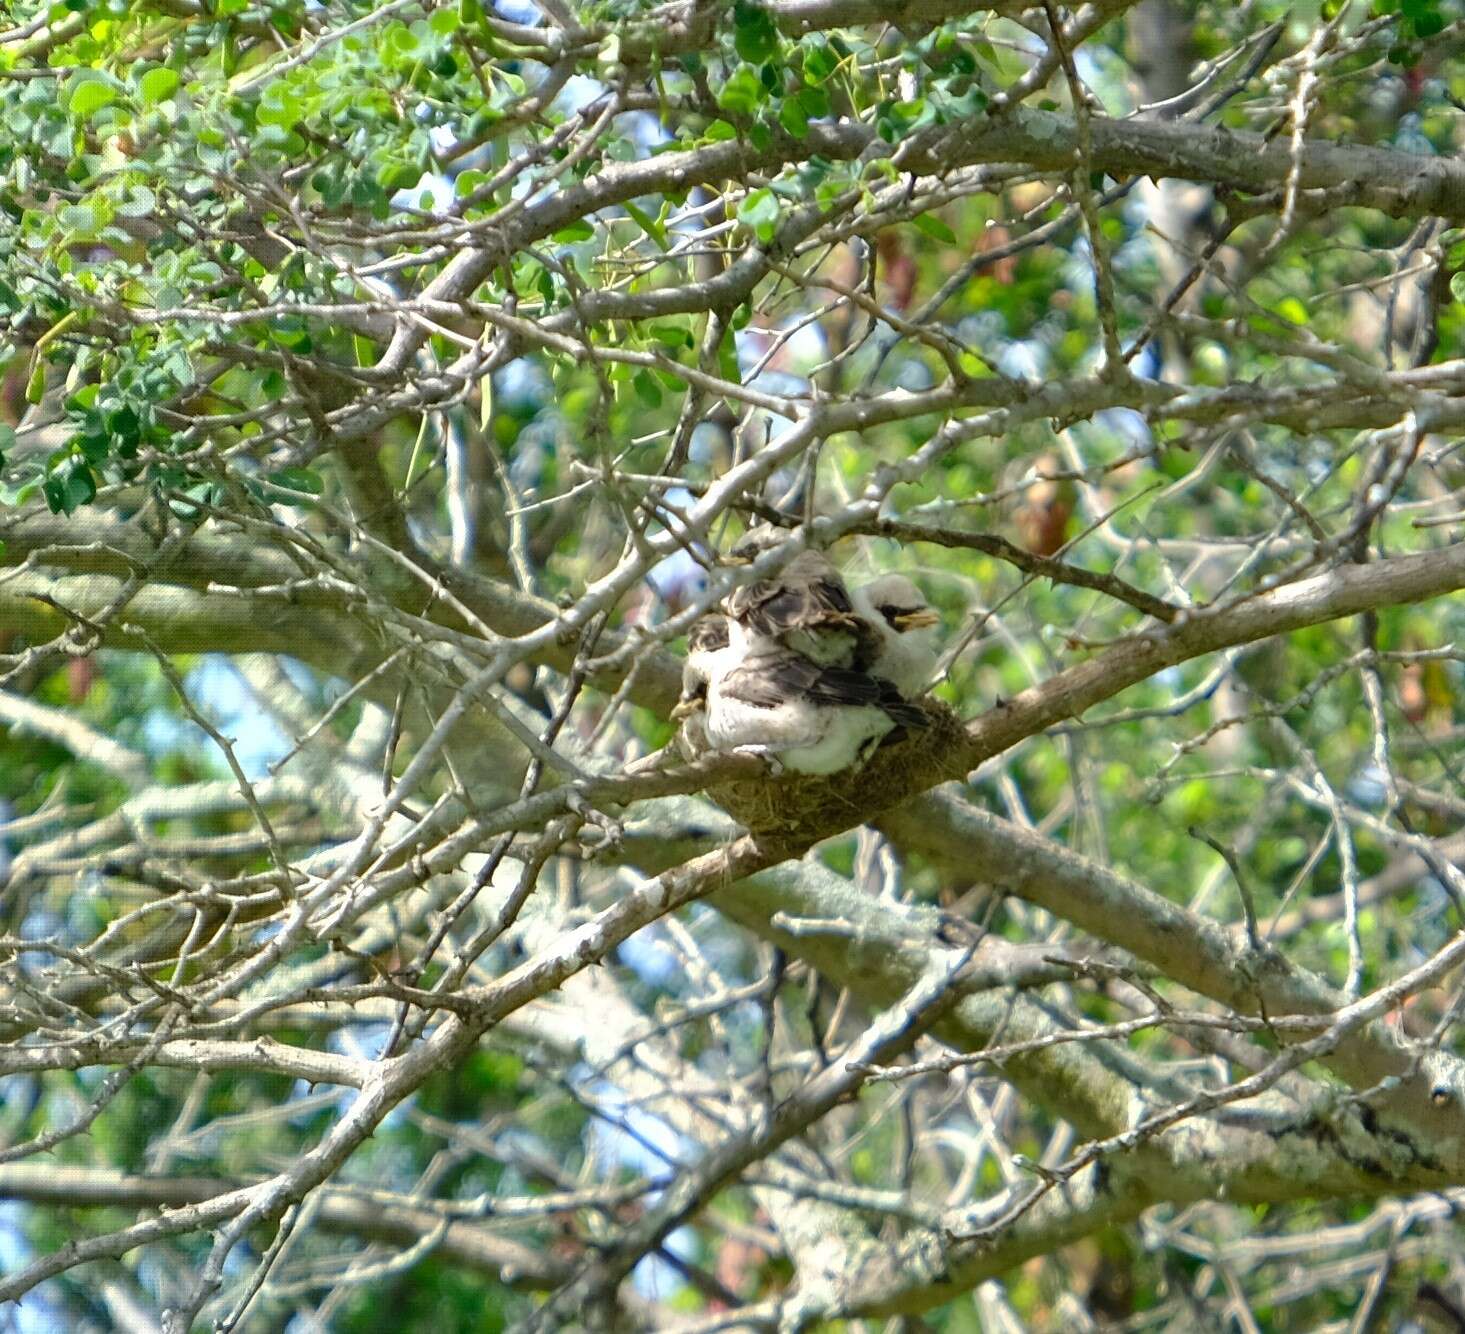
pixel 774 608
pixel 900 710
pixel 897 708
pixel 707 634
pixel 773 680
pixel 770 680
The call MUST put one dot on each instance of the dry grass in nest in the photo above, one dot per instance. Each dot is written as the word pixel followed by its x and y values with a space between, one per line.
pixel 812 805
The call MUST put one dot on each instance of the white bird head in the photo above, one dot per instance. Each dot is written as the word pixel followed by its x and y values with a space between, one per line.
pixel 900 604
pixel 907 626
pixel 707 642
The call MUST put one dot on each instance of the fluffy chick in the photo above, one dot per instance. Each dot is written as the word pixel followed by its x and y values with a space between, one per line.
pixel 906 626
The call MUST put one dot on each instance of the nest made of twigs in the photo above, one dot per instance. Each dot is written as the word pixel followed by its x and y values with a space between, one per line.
pixel 811 805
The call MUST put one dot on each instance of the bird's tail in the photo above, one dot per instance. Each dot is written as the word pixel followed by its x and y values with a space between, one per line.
pixel 901 711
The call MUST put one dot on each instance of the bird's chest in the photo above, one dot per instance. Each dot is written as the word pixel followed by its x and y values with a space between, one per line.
pixel 732 721
pixel 907 665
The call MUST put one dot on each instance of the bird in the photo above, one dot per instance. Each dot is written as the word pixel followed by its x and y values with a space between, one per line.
pixel 766 699
pixel 805 607
pixel 906 626
pixel 707 645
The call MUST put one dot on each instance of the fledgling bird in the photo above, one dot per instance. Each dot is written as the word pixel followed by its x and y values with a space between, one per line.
pixel 805 607
pixel 707 655
pixel 906 624
pixel 765 699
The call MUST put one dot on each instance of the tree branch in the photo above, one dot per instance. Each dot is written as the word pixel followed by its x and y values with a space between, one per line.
pixel 465 1243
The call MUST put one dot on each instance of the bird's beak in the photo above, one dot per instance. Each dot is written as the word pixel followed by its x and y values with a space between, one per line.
pixel 919 619
pixel 730 559
pixel 685 708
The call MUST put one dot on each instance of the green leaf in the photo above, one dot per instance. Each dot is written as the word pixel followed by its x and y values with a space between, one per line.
pixel 933 226
pixel 88 97
pixel 743 93
pixel 819 61
pixel 468 181
pixel 793 118
pixel 394 176
pixel 815 102
pixel 754 35
pixel 647 390
pixel 140 202
pixel 93 448
pixel 727 359
pixel 1457 286
pixel 580 230
pixel 124 423
pixel 83 221
pixel 653 227
pixel 1292 310
pixel 158 85
pixel 298 479
pixel 672 336
pixel 759 212
pixel 290 333
pixel 70 487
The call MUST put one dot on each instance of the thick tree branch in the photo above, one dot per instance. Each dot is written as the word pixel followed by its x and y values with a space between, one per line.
pixel 1040 567
pixel 1427 1096
pixel 1346 590
pixel 318 624
pixel 1397 183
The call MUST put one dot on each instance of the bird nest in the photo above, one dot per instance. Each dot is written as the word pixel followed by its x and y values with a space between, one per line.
pixel 816 805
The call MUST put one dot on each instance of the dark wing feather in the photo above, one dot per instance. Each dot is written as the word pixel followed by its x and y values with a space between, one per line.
pixel 836 685
pixel 809 592
pixel 839 686
pixel 708 633
pixel 832 595
pixel 900 710
pixel 867 644
pixel 769 680
pixel 771 608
